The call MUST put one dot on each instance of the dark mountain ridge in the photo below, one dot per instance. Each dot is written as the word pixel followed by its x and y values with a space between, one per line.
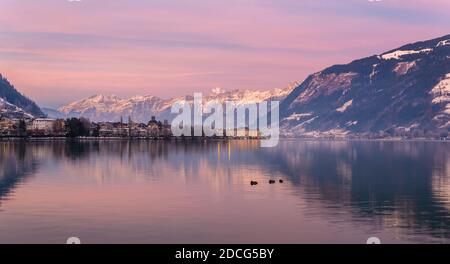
pixel 403 89
pixel 9 93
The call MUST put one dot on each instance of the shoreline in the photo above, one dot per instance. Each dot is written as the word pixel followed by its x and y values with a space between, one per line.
pixel 31 139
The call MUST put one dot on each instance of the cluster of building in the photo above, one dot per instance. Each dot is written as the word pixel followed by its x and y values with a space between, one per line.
pixel 47 127
pixel 9 127
pixel 59 128
pixel 154 129
pixel 35 127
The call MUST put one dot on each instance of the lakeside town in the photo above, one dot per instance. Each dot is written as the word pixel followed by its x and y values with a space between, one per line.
pixel 155 129
pixel 82 127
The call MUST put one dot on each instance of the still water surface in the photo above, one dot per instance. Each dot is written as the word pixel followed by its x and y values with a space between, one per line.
pixel 199 192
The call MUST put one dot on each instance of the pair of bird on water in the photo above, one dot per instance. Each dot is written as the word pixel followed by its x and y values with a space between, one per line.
pixel 270 182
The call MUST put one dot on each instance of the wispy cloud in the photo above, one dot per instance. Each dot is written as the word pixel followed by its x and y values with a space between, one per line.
pixel 169 47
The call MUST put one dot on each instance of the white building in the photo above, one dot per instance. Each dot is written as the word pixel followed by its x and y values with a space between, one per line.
pixel 42 124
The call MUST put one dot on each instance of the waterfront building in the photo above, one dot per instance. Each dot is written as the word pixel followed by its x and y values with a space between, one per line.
pixel 41 127
pixel 8 127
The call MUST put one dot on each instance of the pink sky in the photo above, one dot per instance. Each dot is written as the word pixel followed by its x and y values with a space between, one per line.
pixel 56 51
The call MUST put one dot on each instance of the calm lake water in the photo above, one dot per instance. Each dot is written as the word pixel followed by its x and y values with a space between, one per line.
pixel 199 192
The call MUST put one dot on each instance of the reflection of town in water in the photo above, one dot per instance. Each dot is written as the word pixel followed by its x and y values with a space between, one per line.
pixel 161 191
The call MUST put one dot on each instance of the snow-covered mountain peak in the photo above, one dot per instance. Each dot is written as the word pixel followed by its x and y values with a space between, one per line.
pixel 143 98
pixel 141 108
pixel 400 53
pixel 100 98
pixel 96 101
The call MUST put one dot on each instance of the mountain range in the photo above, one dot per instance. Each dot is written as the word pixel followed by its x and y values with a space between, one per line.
pixel 142 108
pixel 13 103
pixel 404 89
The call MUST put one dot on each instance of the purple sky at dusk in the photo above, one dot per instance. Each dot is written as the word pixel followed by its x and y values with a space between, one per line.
pixel 56 51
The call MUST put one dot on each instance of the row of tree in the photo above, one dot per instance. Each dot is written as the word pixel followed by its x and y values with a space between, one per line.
pixel 78 127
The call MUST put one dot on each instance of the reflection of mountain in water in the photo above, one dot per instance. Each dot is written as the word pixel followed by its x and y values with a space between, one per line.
pixel 402 184
pixel 16 164
pixel 398 184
